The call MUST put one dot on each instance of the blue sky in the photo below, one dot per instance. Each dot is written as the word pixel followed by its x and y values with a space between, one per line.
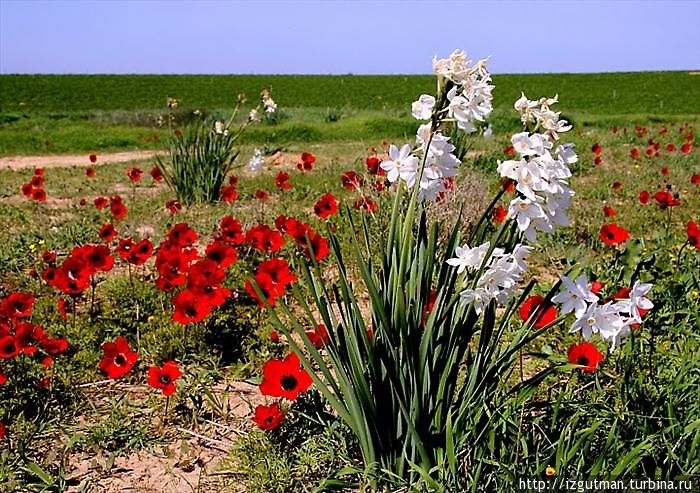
pixel 361 37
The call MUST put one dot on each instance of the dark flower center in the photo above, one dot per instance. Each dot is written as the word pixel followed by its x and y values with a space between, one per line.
pixel 289 382
pixel 583 361
pixel 120 359
pixel 191 311
pixel 164 379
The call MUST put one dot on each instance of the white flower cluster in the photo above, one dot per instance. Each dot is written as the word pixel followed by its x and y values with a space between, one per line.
pixel 220 128
pixel 612 320
pixel 469 98
pixel 257 162
pixel 268 102
pixel 440 163
pixel 541 178
pixel 501 275
pixel 538 112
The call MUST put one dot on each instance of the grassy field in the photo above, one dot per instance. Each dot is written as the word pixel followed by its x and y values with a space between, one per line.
pixel 64 113
pixel 90 434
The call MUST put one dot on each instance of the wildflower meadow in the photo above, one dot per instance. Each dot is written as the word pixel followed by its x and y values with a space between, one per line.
pixel 469 289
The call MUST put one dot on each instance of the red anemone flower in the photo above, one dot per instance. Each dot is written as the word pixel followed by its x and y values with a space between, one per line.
pixel 93 158
pixel 686 148
pixel 318 337
pixel 118 358
pixel 17 305
pixel 609 211
pixel 190 308
pixel 285 378
pixel 221 253
pixel 326 206
pixel 156 173
pixel 634 153
pixel 134 174
pixel 9 347
pixel 173 206
pixel 612 234
pixel 90 172
pixel 164 378
pixel 597 149
pixel 543 314
pixel 268 417
pixel 693 234
pixel 107 232
pixel 644 197
pixel 261 194
pixel 499 214
pixel 100 202
pixel 351 181
pixel 586 355
pixel 228 193
pixel 366 204
pixel 666 199
pixel 695 179
pixel 282 181
pixel 118 210
pixel 39 194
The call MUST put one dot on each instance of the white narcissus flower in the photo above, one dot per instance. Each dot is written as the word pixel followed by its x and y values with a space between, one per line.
pixel 401 164
pixel 566 153
pixel 423 108
pixel 576 296
pixel 479 298
pixel 605 320
pixel 257 161
pixel 469 258
pixel 638 300
pixel 218 127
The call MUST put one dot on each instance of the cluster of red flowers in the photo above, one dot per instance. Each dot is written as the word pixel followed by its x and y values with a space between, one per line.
pixel 272 278
pixel 304 236
pixel 20 337
pixel 228 192
pixel 134 174
pixel 282 181
pixel 75 274
pixel 654 147
pixel 307 161
pixel 597 149
pixel 116 206
pixel 281 378
pixel 326 206
pixel 34 188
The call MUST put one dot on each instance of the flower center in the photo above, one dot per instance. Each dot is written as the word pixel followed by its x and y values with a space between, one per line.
pixel 289 382
pixel 120 359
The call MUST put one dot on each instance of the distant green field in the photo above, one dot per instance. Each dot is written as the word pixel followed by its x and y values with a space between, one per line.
pixel 110 112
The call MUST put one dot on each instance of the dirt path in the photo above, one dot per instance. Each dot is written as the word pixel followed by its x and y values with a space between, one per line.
pixel 67 160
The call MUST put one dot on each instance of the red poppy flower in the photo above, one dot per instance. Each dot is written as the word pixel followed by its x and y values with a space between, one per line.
pixel 93 158
pixel 54 346
pixel 182 235
pixel 228 194
pixel 379 186
pixel 366 204
pixel 90 172
pixel 284 378
pixel 118 210
pixel 634 153
pixel 351 181
pixel 17 305
pixel 264 238
pixel 307 160
pixel 39 195
pixel 134 174
pixel 664 171
pixel 686 148
pixel 319 336
pixel 598 161
pixel 37 181
pixel 612 234
pixel 118 358
pixel 164 378
pixel 156 173
pixel 274 336
pixel 107 232
pixel 173 206
pixel 268 417
pixel 48 257
pixel 666 199
pixel 586 355
pixel 597 286
pixel 670 147
pixel 278 271
pixel 190 307
pixel 499 214
pixel 282 181
pixel 261 194
pixel 233 181
pixel 326 206
pixel 268 288
pixel 693 234
pixel 644 197
pixel 617 186
pixel 510 150
pixel 231 231
pixel 27 189
pixel 609 211
pixel 96 257
pixel 695 179
pixel 100 202
pixel 372 163
pixel 9 347
pixel 543 314
pixel 204 280
pixel 689 137
pixel 597 149
pixel 221 253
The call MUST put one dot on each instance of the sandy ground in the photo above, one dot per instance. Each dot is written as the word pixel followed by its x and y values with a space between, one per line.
pixel 67 160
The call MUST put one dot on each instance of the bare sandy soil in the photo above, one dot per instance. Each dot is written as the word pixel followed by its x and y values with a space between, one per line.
pixel 67 160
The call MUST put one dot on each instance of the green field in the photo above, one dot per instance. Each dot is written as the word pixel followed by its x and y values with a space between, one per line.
pixel 81 113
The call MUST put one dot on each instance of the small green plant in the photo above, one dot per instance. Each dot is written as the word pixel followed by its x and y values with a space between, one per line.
pixel 332 115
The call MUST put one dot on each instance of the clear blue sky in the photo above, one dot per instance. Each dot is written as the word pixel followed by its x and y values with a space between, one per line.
pixel 361 37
